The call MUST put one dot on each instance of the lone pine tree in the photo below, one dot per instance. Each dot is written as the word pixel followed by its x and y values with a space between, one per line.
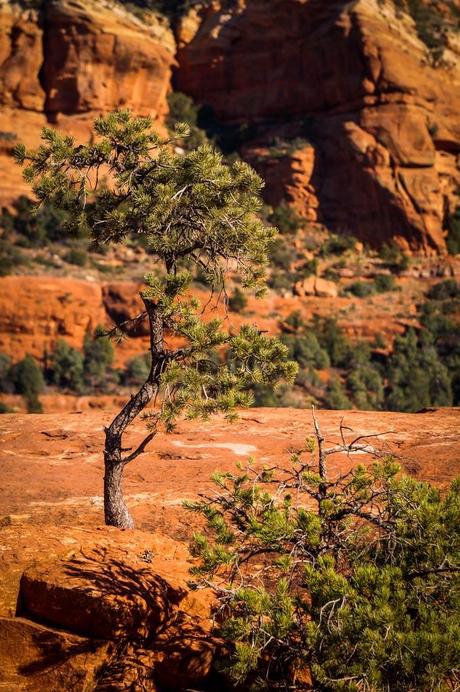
pixel 194 212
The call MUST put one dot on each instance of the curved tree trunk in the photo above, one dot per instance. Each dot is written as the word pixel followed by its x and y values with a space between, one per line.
pixel 115 510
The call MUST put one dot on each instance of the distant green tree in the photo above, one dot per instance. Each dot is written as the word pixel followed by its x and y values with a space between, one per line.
pixel 366 389
pixel 137 370
pixel 66 367
pixel 394 258
pixel 444 331
pixel 286 219
pixel 384 283
pixel 333 340
pixel 302 343
pixel 444 290
pixel 35 229
pixel 361 289
pixel 183 109
pixel 29 382
pixel 98 354
pixel 6 385
pixel 237 301
pixel 416 376
pixel 336 396
pixel 193 211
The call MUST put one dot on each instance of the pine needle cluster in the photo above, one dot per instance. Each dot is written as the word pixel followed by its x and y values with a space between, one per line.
pixel 344 582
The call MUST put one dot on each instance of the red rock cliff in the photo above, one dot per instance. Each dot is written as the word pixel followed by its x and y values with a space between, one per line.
pixel 71 61
pixel 353 79
pixel 371 126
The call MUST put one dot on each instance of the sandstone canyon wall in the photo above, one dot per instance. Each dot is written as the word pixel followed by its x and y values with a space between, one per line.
pixel 369 125
pixel 379 124
pixel 68 62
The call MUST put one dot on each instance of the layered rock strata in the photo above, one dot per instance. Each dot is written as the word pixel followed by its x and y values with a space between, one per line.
pixel 70 61
pixel 354 125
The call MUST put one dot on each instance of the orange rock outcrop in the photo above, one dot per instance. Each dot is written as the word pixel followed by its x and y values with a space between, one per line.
pixel 371 124
pixel 84 609
pixel 377 126
pixel 36 311
pixel 71 61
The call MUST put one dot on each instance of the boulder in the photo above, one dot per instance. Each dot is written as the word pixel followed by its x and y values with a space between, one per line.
pixel 100 609
pixel 316 286
pixel 36 657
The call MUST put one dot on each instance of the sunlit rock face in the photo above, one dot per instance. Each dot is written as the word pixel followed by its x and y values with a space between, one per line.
pixel 377 126
pixel 71 61
pixel 372 126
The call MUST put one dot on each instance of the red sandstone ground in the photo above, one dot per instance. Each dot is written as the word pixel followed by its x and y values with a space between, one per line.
pixel 51 465
pixel 86 607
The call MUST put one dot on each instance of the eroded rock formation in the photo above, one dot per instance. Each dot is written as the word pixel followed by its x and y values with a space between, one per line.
pixel 368 126
pixel 71 61
pixel 373 128
pixel 57 308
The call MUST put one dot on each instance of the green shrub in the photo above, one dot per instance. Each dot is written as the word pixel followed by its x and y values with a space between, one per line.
pixel 98 353
pixel 332 339
pixel 28 377
pixel 360 289
pixel 430 25
pixel 384 283
pixel 29 382
pixel 35 228
pixel 336 397
pixel 337 244
pixel 137 370
pixel 306 269
pixel 393 257
pixel 444 290
pixel 416 376
pixel 237 301
pixel 264 396
pixel 4 408
pixel 66 368
pixel 351 578
pixel 453 233
pixel 169 8
pixel 282 255
pixel 10 258
pixel 365 387
pixel 183 109
pixel 76 256
pixel 6 383
pixel 286 219
pixel 279 147
pixel 445 334
pixel 306 351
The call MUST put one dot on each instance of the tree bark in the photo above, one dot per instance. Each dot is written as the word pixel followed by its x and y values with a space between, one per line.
pixel 115 509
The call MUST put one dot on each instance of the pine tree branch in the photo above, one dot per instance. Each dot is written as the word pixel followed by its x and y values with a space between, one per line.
pixel 140 449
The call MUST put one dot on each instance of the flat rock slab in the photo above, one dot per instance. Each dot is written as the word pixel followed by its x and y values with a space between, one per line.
pixel 51 465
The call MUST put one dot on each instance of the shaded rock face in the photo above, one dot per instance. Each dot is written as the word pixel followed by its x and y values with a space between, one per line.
pixel 351 78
